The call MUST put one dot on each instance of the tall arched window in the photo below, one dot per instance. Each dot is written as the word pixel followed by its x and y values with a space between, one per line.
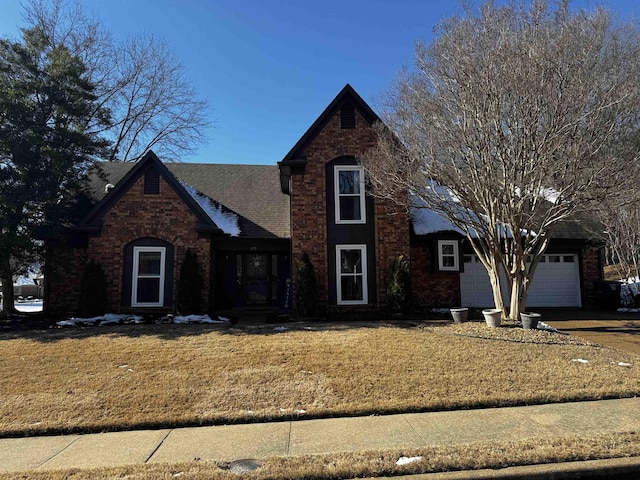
pixel 148 273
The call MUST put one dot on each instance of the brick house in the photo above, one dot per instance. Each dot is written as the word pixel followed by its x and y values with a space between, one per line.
pixel 248 224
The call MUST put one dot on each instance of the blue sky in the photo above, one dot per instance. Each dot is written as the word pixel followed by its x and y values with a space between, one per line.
pixel 270 67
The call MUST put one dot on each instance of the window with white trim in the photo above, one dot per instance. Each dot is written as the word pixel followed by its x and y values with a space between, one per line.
pixel 448 258
pixel 349 194
pixel 147 285
pixel 351 274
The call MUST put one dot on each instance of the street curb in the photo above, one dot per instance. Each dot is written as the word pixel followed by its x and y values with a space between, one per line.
pixel 618 468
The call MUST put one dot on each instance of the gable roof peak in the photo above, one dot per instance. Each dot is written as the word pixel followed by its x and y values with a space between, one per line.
pixel 347 92
pixel 148 160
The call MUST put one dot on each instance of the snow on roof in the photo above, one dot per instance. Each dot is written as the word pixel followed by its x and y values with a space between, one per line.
pixel 225 220
pixel 32 274
pixel 427 221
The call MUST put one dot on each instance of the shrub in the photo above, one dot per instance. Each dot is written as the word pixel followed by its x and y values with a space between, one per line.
pixel 305 288
pixel 93 290
pixel 190 285
pixel 399 287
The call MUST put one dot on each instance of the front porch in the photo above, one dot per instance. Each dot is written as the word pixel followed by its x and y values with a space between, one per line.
pixel 252 276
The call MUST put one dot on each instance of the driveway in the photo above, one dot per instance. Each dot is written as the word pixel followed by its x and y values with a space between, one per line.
pixel 609 328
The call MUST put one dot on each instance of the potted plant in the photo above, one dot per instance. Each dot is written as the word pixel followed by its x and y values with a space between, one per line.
pixel 459 314
pixel 529 320
pixel 492 316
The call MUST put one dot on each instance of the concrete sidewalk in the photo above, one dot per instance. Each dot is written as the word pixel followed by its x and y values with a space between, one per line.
pixel 262 440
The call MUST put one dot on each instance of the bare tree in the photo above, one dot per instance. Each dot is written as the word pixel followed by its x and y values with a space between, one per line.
pixel 514 118
pixel 620 214
pixel 139 80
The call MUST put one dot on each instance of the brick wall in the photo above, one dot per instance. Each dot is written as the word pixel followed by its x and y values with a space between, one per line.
pixel 134 215
pixel 591 273
pixel 392 240
pixel 432 289
pixel 309 205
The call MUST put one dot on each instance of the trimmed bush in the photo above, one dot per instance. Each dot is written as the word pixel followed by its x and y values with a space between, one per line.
pixel 399 287
pixel 305 288
pixel 190 285
pixel 93 290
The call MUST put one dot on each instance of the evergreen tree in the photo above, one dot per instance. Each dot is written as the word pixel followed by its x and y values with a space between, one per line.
pixel 45 104
pixel 305 288
pixel 190 285
pixel 399 287
pixel 93 290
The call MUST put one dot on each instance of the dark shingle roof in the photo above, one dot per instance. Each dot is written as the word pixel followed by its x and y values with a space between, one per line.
pixel 579 227
pixel 251 191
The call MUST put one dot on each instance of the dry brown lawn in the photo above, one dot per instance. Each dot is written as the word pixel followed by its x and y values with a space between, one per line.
pixel 486 455
pixel 123 377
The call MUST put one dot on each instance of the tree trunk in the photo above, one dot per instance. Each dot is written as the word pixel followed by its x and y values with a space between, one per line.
pixel 494 278
pixel 8 305
pixel 517 295
pixel 491 264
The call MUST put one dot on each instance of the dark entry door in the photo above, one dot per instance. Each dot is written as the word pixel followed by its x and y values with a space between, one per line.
pixel 257 278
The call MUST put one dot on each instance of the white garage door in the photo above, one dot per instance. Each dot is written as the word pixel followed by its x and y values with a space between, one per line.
pixel 556 283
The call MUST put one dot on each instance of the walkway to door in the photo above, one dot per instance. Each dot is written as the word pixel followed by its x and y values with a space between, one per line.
pixel 612 329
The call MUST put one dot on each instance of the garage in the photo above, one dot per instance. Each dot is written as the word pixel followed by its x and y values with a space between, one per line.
pixel 556 283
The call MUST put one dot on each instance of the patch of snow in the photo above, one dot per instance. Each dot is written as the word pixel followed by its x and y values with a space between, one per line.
pixel 22 280
pixel 83 321
pixel 198 319
pixel 300 412
pixel 66 323
pixel 548 328
pixel 440 310
pixel 408 460
pixel 33 272
pixel 35 306
pixel 133 319
pixel 628 293
pixel 579 360
pixel 280 329
pixel 224 319
pixel 624 364
pixel 427 221
pixel 112 319
pixel 550 194
pixel 226 220
pixel 107 319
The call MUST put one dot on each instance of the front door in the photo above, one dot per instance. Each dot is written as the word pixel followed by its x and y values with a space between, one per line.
pixel 257 279
pixel 252 279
